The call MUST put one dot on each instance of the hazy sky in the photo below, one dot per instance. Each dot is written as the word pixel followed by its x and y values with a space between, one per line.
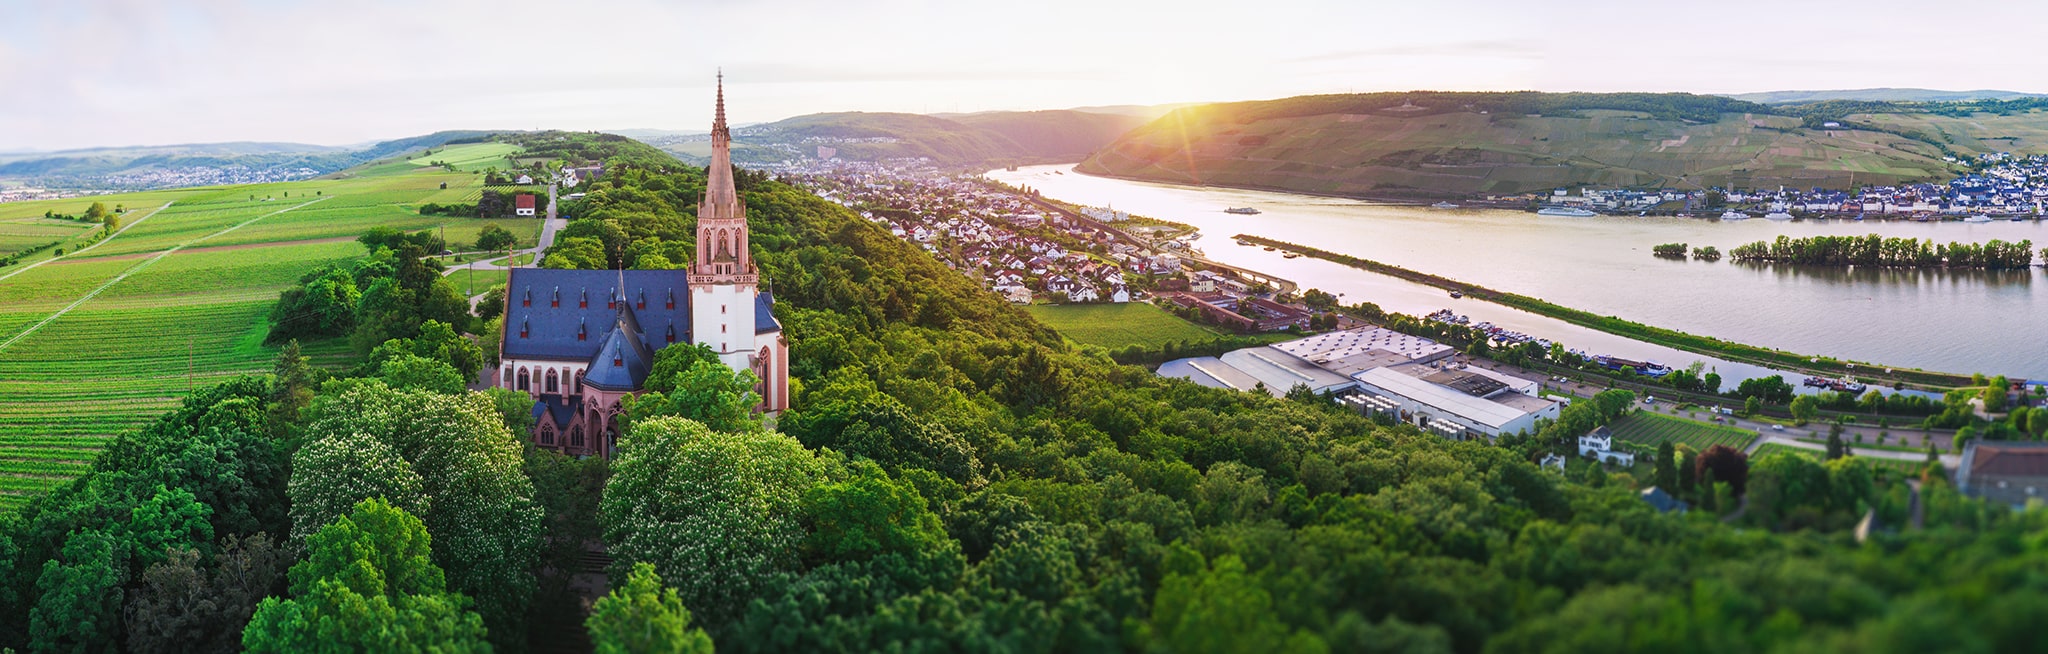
pixel 77 73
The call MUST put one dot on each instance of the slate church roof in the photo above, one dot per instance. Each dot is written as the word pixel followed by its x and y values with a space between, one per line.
pixel 564 315
pixel 575 315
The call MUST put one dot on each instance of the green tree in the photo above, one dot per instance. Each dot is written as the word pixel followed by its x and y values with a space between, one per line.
pixel 574 253
pixel 716 513
pixel 1752 407
pixel 1221 608
pixel 493 238
pixel 415 373
pixel 867 515
pixel 182 607
pixel 81 592
pixel 1666 471
pixel 291 387
pixel 472 490
pixel 709 393
pixel 643 616
pixel 1804 409
pixel 368 583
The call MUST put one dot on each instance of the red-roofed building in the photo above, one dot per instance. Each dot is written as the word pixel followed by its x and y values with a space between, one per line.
pixel 522 205
pixel 2004 471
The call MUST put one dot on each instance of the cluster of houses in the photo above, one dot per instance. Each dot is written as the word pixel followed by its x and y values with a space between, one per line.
pixel 1017 248
pixel 2005 185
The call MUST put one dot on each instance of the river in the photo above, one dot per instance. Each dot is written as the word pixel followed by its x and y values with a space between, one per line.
pixel 1950 321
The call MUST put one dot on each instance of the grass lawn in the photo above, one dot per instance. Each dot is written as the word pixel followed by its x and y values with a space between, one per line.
pixel 472 282
pixel 469 156
pixel 1118 325
pixel 1651 430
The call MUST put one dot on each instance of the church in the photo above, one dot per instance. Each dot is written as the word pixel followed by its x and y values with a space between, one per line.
pixel 580 341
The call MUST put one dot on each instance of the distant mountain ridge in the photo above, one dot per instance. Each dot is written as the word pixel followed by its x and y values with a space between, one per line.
pixel 1424 144
pixel 990 138
pixel 165 166
pixel 1880 95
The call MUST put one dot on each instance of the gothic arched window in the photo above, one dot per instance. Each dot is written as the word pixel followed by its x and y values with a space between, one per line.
pixel 576 436
pixel 554 382
pixel 547 434
pixel 524 379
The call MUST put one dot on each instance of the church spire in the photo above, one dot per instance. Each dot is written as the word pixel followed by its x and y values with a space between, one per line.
pixel 718 123
pixel 721 218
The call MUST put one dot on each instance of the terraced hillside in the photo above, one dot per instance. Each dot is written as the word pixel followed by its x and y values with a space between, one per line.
pixel 107 337
pixel 1430 144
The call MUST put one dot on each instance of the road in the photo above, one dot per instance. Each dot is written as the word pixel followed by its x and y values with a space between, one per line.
pixel 1790 436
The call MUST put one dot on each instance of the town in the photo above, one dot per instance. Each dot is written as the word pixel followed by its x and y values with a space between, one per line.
pixel 1028 250
pixel 2003 185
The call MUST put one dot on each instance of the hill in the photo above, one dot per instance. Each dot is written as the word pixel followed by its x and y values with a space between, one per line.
pixel 201 164
pixel 1426 144
pixel 953 476
pixel 1880 95
pixel 977 139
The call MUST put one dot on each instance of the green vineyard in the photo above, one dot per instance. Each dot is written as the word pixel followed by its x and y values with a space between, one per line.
pixel 99 342
pixel 1651 430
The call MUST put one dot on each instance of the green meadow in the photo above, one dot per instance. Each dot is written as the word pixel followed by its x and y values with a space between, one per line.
pixel 100 341
pixel 1119 325
pixel 469 156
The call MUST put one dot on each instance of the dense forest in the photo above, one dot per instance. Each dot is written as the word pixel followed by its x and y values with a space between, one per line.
pixel 954 477
pixel 1895 252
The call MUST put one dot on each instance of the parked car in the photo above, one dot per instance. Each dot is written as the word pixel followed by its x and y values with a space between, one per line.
pixel 1777 428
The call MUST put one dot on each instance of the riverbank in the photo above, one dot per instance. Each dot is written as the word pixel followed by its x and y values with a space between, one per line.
pixel 1751 354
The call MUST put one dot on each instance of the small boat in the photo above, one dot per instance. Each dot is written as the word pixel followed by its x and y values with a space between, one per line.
pixel 1732 214
pixel 1777 215
pixel 1242 211
pixel 1289 255
pixel 1456 295
pixel 1568 212
pixel 1977 219
pixel 1443 205
pixel 1269 248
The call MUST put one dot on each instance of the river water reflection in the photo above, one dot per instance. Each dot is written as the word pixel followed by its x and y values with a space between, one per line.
pixel 1964 321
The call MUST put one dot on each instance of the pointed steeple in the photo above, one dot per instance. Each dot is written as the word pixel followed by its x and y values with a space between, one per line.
pixel 721 218
pixel 718 121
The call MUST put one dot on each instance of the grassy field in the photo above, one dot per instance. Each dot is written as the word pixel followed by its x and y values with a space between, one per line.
pixel 1118 325
pixel 101 341
pixel 469 156
pixel 1651 430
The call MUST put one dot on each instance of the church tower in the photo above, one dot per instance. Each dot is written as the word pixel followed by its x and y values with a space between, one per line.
pixel 728 314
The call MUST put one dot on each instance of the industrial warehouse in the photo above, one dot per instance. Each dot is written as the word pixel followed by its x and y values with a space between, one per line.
pixel 1414 380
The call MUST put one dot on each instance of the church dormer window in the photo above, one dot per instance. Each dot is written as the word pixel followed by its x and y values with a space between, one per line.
pixel 642 304
pixel 611 298
pixel 671 332
pixel 583 300
pixel 582 330
pixel 556 301
pixel 524 327
pixel 528 300
pixel 671 297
